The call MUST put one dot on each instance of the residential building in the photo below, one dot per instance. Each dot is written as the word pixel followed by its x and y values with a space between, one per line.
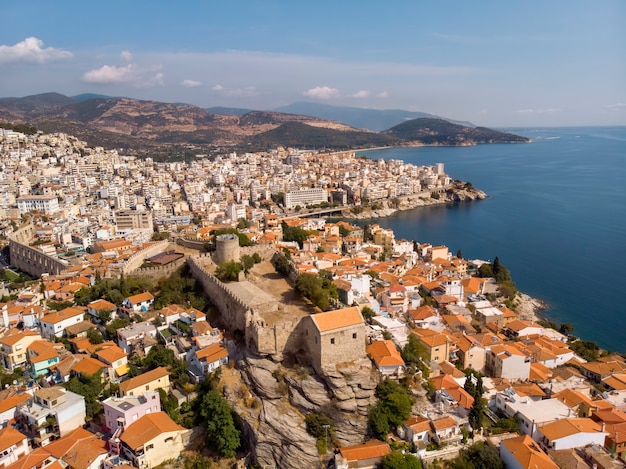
pixel 204 361
pixel 523 452
pixel 13 445
pixel 148 381
pixel 54 324
pixel 121 412
pixel 507 361
pixel 139 303
pixel 365 456
pixel 305 197
pixel 571 433
pixel 47 204
pixel 53 412
pixel 14 349
pixel 133 336
pixel 80 449
pixel 386 357
pixel 152 439
pixel 42 356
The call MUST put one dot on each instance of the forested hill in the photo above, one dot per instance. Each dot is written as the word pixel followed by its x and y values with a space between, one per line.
pixel 426 131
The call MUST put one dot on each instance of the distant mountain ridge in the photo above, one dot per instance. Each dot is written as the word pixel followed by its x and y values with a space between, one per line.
pixel 371 119
pixel 142 125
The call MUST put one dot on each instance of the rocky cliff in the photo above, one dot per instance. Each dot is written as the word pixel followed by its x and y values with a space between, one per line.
pixel 273 401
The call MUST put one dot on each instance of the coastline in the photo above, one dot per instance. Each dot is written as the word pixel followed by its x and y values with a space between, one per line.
pixel 529 308
pixel 461 192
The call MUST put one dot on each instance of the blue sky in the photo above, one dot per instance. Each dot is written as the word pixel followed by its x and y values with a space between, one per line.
pixel 495 63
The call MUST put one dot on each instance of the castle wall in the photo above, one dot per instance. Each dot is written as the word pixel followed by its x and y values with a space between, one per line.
pixel 231 308
pixel 29 259
pixel 136 260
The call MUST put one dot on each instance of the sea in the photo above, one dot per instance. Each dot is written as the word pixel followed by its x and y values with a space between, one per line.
pixel 555 217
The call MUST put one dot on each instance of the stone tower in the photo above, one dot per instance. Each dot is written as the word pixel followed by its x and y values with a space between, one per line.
pixel 227 248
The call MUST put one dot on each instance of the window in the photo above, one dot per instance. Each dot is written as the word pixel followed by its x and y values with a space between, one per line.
pixel 149 447
pixel 354 335
pixel 167 440
pixel 332 341
pixel 147 387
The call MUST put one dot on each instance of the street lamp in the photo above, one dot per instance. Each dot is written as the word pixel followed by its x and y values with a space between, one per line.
pixel 326 427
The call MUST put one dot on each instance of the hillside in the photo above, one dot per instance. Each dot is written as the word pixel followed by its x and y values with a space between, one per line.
pixel 372 119
pixel 170 130
pixel 426 131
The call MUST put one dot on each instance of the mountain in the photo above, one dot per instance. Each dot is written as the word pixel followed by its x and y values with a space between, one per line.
pixel 371 119
pixel 87 96
pixel 228 111
pixel 427 131
pixel 173 129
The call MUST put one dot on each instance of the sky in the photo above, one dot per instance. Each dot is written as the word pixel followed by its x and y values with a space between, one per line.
pixel 494 63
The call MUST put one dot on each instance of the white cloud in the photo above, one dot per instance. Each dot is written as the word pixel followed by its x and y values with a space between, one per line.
pixel 361 94
pixel 130 74
pixel 382 94
pixel 110 74
pixel 126 56
pixel 31 50
pixel 483 111
pixel 322 92
pixel 191 83
pixel 242 92
pixel 538 111
pixel 615 107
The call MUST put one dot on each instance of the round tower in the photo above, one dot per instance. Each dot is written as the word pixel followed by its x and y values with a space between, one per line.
pixel 227 248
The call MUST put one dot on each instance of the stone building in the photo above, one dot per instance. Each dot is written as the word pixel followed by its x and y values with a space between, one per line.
pixel 335 337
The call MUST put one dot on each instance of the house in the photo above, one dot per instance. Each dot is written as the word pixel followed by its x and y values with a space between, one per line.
pixel 206 360
pixel 54 324
pixel 88 366
pixel 507 361
pixel 139 303
pixel 571 433
pixel 116 360
pixel 121 412
pixel 139 335
pixel 152 439
pixel 386 357
pixel 437 346
pixel 424 316
pixel 416 430
pixel 451 392
pixel 522 452
pixel 13 445
pixel 365 456
pixel 335 337
pixel 42 356
pixel 148 381
pixel 519 328
pixel 597 371
pixel 9 404
pixel 446 430
pixel 14 349
pixel 101 308
pixel 80 449
pixel 470 352
pixel 531 414
pixel 39 458
pixel 53 412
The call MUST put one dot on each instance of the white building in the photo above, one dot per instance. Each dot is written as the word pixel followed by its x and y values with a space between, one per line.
pixel 47 204
pixel 305 197
pixel 571 433
pixel 54 324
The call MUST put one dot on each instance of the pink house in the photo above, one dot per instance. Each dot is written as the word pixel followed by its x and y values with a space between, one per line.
pixel 120 412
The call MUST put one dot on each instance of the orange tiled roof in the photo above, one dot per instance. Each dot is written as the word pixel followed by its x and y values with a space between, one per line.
pixel 147 428
pixel 569 426
pixel 337 319
pixel 384 353
pixel 212 353
pixel 528 453
pixel 88 366
pixel 13 401
pixel 9 436
pixel 370 450
pixel 144 378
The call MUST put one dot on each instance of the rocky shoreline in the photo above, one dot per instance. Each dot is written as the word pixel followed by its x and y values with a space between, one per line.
pixel 460 192
pixel 528 308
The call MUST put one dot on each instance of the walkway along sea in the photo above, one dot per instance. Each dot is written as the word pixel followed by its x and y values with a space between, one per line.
pixel 555 217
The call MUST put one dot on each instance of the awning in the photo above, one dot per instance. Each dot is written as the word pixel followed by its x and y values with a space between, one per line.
pixel 122 370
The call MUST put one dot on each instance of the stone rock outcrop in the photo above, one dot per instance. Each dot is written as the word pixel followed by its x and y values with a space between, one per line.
pixel 274 427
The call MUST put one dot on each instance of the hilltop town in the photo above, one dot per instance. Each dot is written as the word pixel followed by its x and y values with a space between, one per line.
pixel 145 304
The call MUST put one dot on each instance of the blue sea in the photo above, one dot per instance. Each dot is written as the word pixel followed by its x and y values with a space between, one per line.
pixel 555 217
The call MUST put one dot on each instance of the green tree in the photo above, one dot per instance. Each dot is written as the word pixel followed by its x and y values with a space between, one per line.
pixel 459 254
pixel 113 326
pixel 90 387
pixel 368 313
pixel 228 271
pixel 398 460
pixel 392 409
pixel 221 432
pixel 478 456
pixel 415 353
pixel 475 415
pixel 247 263
pixel 281 264
pixel 94 336
pixel 256 258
